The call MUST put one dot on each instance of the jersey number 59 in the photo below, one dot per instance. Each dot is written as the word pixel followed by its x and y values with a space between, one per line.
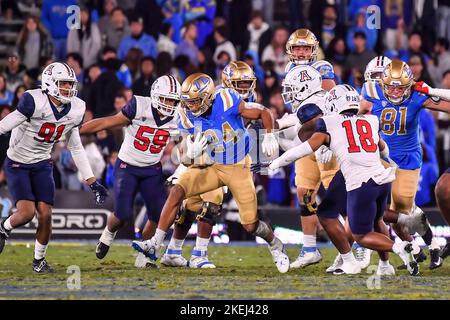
pixel 156 144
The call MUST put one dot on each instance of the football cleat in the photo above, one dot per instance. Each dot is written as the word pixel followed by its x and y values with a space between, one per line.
pixel 406 253
pixel 142 262
pixel 385 270
pixel 4 234
pixel 436 260
pixel 42 266
pixel 101 250
pixel 445 252
pixel 148 248
pixel 420 257
pixel 363 256
pixel 281 259
pixel 338 261
pixel 173 258
pixel 199 259
pixel 306 257
pixel 348 268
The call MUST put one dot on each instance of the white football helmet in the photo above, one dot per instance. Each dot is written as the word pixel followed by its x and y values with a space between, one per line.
pixel 374 69
pixel 341 98
pixel 165 95
pixel 300 82
pixel 52 75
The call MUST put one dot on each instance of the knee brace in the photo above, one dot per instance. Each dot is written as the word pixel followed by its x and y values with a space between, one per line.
pixel 209 213
pixel 308 208
pixel 185 218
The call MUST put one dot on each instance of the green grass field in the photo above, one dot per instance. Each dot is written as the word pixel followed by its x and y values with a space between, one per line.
pixel 242 273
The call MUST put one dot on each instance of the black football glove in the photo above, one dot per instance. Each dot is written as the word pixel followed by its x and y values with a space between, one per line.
pixel 99 191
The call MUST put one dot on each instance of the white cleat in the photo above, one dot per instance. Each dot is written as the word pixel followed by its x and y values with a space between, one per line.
pixel 306 258
pixel 142 262
pixel 173 258
pixel 363 256
pixel 336 264
pixel 199 259
pixel 385 270
pixel 281 260
pixel 348 268
pixel 148 248
pixel 406 251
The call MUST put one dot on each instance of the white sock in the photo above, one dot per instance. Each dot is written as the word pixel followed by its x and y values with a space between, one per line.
pixel 201 244
pixel 7 224
pixel 176 244
pixel 309 241
pixel 382 263
pixel 107 236
pixel 39 250
pixel 348 257
pixel 159 236
pixel 434 244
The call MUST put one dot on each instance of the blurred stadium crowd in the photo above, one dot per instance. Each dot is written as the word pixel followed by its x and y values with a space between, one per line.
pixel 122 46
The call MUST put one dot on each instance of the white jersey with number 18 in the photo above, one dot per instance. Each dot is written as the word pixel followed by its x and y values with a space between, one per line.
pixel 354 140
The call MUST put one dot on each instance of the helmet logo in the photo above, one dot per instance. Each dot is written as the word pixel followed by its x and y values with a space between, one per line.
pixel 228 71
pixel 304 76
pixel 201 84
pixel 49 70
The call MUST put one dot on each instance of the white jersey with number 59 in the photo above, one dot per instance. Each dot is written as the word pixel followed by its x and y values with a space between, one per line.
pixel 354 140
pixel 147 134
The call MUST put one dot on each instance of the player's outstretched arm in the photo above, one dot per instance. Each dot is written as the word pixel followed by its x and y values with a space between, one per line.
pixel 81 161
pixel 95 125
pixel 11 121
pixel 317 139
pixel 444 94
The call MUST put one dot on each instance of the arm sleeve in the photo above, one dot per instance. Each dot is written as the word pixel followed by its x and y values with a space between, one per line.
pixel 79 154
pixel 291 155
pixel 11 121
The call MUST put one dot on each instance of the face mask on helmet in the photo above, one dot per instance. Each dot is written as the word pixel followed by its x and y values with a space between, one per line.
pixel 244 87
pixel 167 106
pixel 197 106
pixel 301 55
pixel 397 94
pixel 67 89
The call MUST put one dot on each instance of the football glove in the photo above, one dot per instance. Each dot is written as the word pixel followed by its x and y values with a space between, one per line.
pixel 269 144
pixel 196 147
pixel 99 191
pixel 323 154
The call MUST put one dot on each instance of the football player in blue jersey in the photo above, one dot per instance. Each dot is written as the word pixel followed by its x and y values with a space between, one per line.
pixel 214 122
pixel 302 48
pixel 397 101
pixel 205 208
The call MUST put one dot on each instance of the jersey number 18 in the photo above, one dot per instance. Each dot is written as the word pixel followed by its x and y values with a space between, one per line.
pixel 364 131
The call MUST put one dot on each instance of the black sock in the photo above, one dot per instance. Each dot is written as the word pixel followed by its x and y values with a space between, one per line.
pixel 428 236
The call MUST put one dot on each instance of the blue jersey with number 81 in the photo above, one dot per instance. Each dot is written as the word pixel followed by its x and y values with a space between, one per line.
pixel 399 124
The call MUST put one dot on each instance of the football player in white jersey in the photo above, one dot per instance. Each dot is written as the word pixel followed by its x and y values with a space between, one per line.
pixel 303 86
pixel 149 123
pixel 43 117
pixel 356 142
pixel 302 48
